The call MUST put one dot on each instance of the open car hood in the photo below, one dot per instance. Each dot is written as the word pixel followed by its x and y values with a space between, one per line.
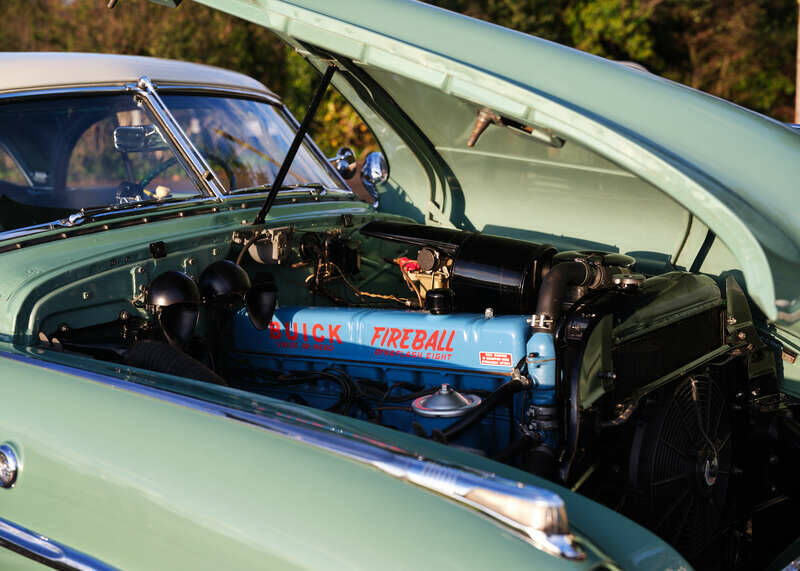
pixel 419 75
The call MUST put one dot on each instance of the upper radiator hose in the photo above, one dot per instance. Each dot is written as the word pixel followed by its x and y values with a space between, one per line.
pixel 554 288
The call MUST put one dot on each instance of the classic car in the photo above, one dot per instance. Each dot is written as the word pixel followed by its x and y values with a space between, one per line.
pixel 557 328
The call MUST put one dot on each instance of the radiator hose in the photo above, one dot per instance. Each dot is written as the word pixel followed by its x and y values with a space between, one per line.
pixel 554 287
pixel 500 394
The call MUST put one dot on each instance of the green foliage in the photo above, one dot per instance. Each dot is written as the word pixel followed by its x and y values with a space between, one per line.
pixel 616 29
pixel 742 50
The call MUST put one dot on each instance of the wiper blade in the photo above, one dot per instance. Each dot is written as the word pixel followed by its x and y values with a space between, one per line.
pixel 317 186
pixel 88 213
pixel 295 146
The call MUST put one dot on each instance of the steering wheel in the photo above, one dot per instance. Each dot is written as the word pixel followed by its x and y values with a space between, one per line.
pixel 161 167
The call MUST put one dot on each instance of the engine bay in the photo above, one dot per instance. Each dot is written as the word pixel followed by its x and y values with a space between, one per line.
pixel 654 394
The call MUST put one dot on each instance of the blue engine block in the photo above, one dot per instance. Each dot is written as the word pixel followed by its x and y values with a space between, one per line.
pixel 467 351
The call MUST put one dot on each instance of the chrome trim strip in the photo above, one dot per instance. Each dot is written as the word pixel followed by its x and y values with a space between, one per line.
pixel 545 528
pixel 196 88
pixel 45 550
pixel 100 89
pixel 204 173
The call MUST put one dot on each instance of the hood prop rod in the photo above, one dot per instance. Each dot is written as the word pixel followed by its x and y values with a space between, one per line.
pixel 295 146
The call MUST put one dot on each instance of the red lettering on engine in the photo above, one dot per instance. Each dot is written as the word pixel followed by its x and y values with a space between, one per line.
pixel 274 330
pixel 431 344
pixel 333 333
pixel 378 331
pixel 404 340
pixel 419 340
pixel 394 336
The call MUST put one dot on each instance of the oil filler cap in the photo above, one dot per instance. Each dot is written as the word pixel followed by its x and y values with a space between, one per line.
pixel 446 402
pixel 440 301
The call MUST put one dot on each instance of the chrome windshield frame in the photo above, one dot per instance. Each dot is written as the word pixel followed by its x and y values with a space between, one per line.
pixel 198 165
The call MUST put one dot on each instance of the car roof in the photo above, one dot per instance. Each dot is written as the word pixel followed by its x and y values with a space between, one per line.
pixel 45 70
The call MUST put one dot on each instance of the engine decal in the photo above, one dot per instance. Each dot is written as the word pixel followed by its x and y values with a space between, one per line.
pixel 496 359
pixel 390 338
pixel 392 341
pixel 308 336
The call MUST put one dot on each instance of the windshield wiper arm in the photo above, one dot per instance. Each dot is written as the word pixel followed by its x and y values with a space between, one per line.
pixel 295 146
pixel 317 186
pixel 87 213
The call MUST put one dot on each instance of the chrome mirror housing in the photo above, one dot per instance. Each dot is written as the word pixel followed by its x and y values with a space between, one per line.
pixel 343 162
pixel 374 172
pixel 139 139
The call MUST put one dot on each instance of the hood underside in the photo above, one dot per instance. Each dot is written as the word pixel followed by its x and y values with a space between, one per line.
pixel 648 166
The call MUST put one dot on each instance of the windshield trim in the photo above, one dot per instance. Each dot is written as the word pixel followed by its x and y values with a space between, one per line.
pixel 217 90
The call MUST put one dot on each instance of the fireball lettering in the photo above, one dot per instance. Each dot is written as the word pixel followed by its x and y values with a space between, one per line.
pixel 431 344
pixel 441 340
pixel 419 340
pixel 416 342
pixel 450 341
pixel 394 336
pixel 333 333
pixel 378 331
pixel 290 336
pixel 314 330
pixel 404 340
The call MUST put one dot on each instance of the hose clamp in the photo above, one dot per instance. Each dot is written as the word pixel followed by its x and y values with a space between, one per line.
pixel 541 321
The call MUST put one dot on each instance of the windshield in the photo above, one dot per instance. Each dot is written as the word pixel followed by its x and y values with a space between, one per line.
pixel 58 156
pixel 244 141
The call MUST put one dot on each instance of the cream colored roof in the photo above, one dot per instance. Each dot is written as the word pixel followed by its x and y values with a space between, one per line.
pixel 22 70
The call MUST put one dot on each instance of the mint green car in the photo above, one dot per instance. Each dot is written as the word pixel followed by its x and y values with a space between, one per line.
pixel 552 324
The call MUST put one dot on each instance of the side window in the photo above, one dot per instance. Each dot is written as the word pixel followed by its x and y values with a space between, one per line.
pixel 94 161
pixel 10 170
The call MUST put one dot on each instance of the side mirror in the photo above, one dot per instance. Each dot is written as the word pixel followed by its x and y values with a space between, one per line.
pixel 141 138
pixel 343 162
pixel 374 172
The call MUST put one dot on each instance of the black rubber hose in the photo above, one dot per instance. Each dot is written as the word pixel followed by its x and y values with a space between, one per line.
pixel 489 403
pixel 522 443
pixel 164 358
pixel 554 287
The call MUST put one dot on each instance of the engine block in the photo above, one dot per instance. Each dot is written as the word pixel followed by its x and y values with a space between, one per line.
pixel 470 353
